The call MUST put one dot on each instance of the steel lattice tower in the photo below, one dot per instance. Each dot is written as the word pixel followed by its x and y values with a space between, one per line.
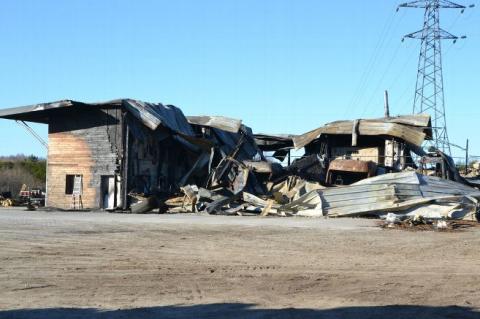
pixel 429 95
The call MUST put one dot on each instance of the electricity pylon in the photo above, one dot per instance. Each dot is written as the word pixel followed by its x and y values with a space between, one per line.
pixel 429 95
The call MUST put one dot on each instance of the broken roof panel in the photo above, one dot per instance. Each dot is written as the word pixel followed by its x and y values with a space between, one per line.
pixel 413 129
pixel 153 115
pixel 219 122
pixel 274 142
pixel 227 133
pixel 150 114
pixel 228 142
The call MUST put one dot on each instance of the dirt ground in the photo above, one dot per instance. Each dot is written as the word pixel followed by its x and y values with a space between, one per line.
pixel 100 265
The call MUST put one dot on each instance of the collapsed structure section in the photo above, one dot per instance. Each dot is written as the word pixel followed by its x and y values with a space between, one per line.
pixel 137 156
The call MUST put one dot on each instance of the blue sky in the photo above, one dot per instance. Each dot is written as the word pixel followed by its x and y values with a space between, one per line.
pixel 281 66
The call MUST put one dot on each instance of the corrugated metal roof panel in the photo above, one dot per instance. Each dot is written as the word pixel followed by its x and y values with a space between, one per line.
pixel 409 177
pixel 150 114
pixel 153 115
pixel 219 122
pixel 389 192
pixel 413 129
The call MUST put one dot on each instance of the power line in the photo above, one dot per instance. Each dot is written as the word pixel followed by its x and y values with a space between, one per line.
pixel 429 93
pixel 377 88
pixel 372 62
pixel 402 69
pixel 381 54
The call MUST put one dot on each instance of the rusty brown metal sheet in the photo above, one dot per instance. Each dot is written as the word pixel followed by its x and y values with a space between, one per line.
pixel 348 165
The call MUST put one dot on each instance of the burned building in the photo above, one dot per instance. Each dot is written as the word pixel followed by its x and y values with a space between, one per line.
pixel 385 141
pixel 128 154
pixel 343 152
pixel 99 153
pixel 232 155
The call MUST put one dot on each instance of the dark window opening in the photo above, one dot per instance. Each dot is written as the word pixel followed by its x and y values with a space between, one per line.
pixel 70 184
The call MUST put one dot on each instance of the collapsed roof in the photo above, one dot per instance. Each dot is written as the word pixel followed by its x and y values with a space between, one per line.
pixel 413 129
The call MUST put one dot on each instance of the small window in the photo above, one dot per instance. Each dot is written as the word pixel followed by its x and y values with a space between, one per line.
pixel 70 182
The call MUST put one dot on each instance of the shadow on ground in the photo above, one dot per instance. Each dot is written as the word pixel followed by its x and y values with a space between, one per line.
pixel 237 310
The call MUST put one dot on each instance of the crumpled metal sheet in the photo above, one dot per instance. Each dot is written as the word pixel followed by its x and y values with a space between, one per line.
pixel 413 129
pixel 153 115
pixel 219 122
pixel 228 141
pixel 274 142
pixel 395 192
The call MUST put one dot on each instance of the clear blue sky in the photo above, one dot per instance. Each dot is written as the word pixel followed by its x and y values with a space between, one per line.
pixel 281 66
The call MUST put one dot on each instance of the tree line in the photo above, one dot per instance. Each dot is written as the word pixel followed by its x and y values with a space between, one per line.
pixel 16 170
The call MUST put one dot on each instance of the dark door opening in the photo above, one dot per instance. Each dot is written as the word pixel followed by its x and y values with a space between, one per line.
pixel 107 192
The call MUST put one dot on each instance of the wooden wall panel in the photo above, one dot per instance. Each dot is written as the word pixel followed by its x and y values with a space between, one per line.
pixel 81 143
pixel 69 154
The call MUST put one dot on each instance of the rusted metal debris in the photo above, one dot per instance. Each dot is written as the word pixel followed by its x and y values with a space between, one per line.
pixel 137 156
pixel 356 169
pixel 320 182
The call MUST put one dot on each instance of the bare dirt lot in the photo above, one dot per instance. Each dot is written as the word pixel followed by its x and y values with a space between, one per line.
pixel 100 265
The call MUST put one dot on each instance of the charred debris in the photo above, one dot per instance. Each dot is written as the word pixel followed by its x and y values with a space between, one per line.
pixel 128 155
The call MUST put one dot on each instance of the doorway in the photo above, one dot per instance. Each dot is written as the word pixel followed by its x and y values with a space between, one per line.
pixel 107 192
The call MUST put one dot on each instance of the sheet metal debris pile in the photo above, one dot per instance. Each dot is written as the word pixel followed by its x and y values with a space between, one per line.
pixel 360 168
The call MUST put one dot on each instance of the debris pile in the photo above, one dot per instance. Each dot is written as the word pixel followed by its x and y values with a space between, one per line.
pixel 361 168
pixel 422 224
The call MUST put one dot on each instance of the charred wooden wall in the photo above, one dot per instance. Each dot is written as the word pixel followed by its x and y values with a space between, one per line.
pixel 82 141
pixel 157 162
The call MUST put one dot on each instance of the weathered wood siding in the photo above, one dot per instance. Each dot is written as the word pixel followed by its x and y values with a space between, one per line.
pixel 83 142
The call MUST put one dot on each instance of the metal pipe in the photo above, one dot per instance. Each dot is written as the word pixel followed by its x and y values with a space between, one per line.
pixel 466 158
pixel 33 133
pixel 386 105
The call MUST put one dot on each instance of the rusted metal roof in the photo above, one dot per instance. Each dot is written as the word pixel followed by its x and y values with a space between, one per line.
pixel 349 165
pixel 413 129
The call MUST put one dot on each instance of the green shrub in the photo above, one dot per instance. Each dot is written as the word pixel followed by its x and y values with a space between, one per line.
pixel 20 169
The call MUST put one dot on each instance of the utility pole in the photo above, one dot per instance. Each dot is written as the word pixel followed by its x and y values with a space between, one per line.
pixel 429 95
pixel 386 106
pixel 466 158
